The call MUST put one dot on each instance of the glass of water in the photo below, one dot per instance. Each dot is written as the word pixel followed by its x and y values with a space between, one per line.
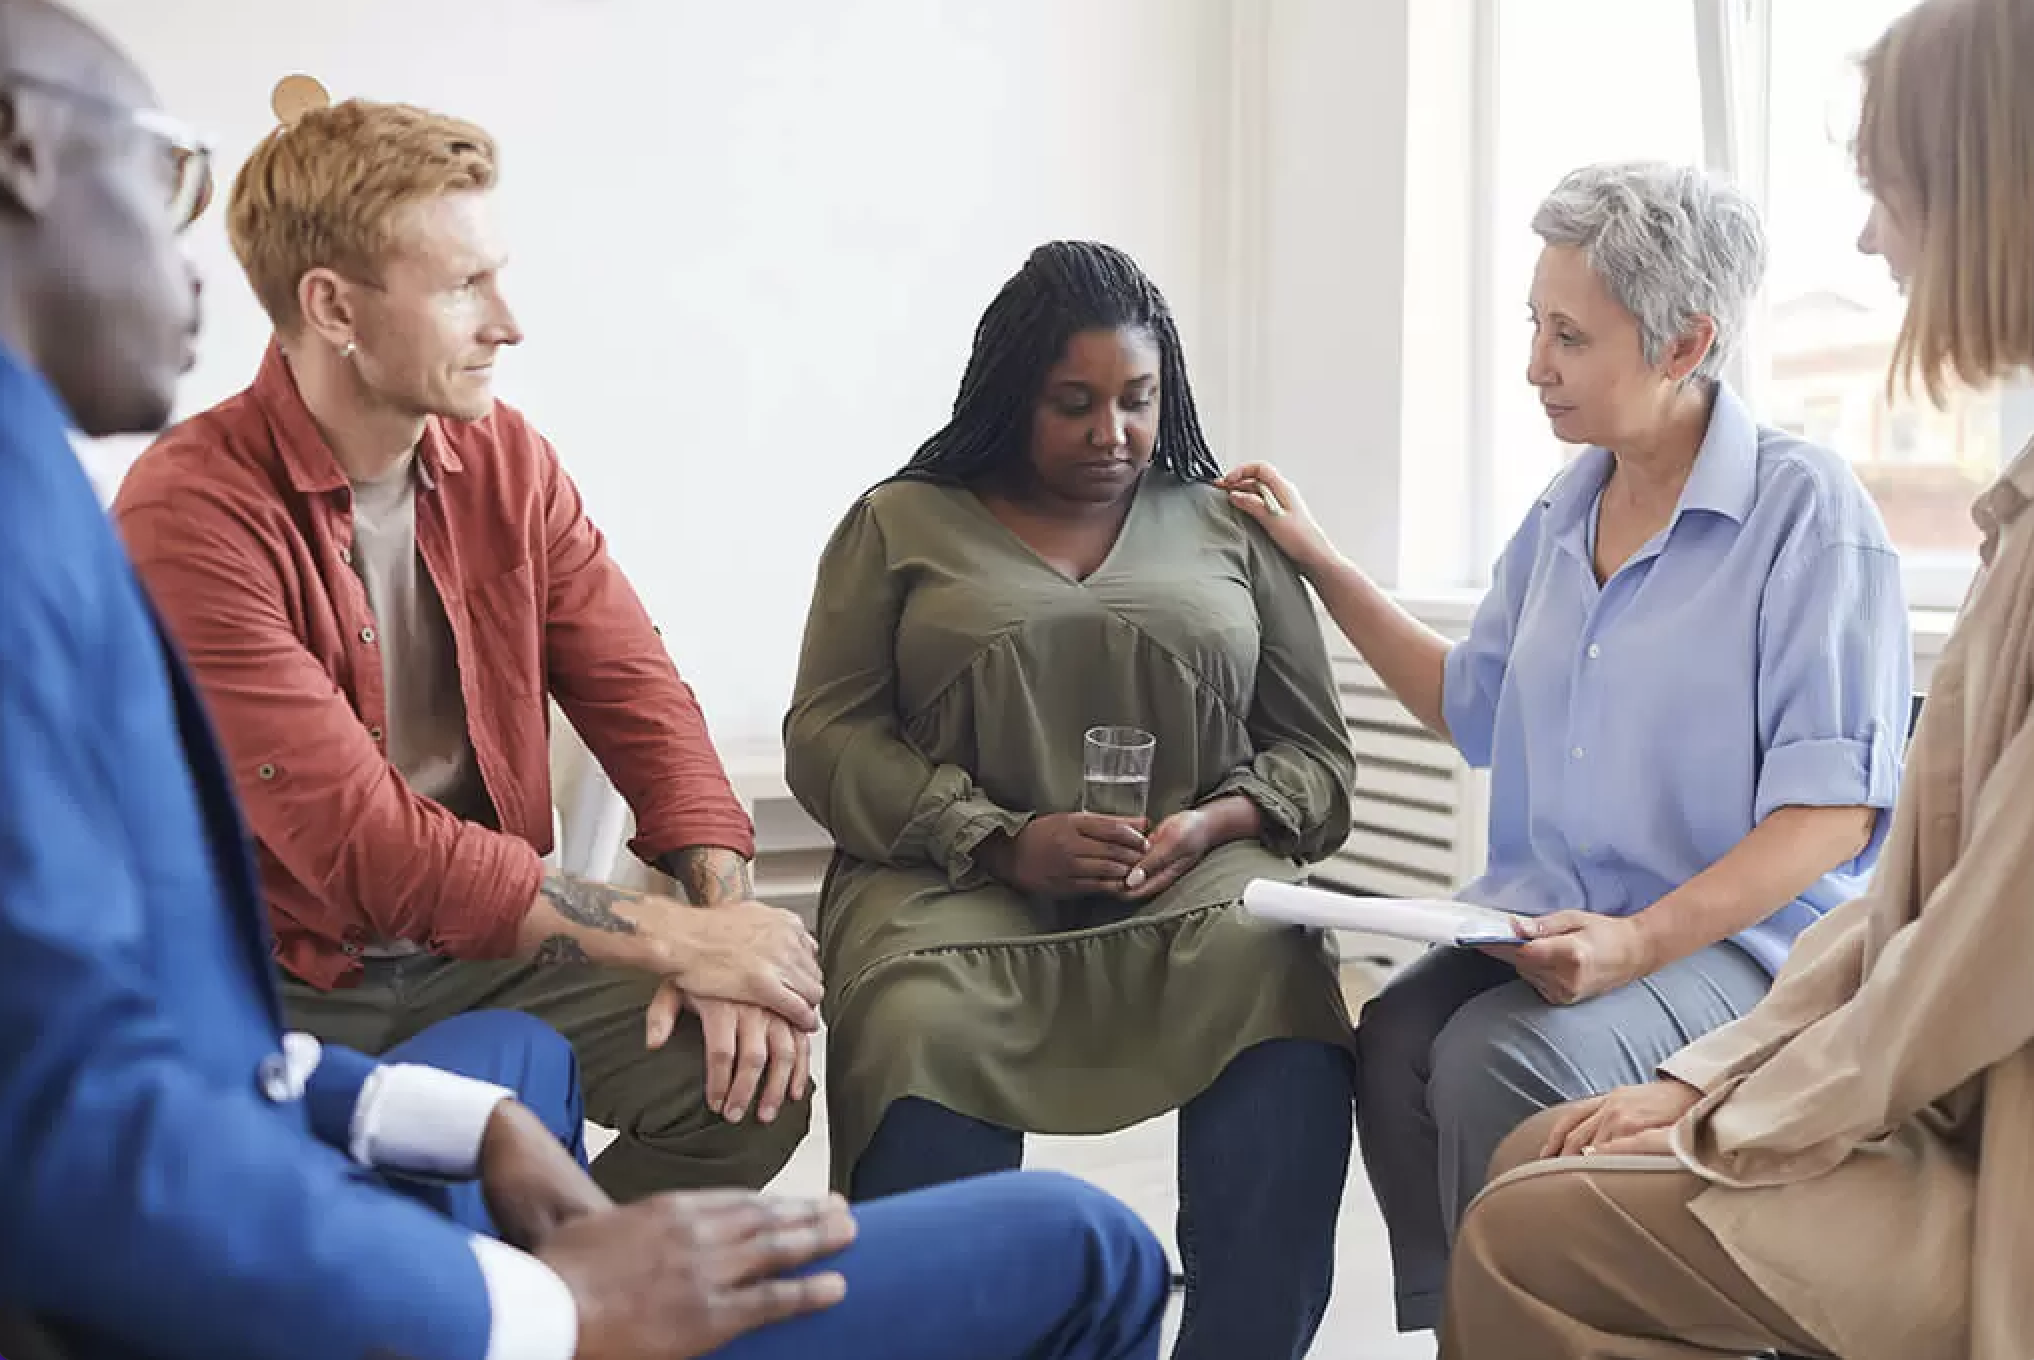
pixel 1116 771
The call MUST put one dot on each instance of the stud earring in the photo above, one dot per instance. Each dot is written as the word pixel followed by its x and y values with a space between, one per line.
pixel 347 351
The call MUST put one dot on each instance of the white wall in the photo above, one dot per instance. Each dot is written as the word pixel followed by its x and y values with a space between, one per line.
pixel 1348 268
pixel 751 240
pixel 1322 169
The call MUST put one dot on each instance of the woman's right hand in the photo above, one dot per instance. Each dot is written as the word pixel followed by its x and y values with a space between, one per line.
pixel 1069 854
pixel 1589 1126
pixel 1291 525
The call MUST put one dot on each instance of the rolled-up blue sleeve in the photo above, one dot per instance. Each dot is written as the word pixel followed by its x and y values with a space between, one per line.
pixel 1474 674
pixel 1836 675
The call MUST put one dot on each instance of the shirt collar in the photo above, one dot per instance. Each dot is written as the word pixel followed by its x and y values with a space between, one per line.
pixel 1724 480
pixel 305 455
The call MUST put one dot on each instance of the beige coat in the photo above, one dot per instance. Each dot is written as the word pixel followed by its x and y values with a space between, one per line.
pixel 1869 1128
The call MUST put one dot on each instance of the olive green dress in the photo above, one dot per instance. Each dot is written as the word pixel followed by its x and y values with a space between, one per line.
pixel 947 679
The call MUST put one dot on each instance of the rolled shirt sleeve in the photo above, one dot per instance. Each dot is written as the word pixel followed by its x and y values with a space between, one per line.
pixel 1835 681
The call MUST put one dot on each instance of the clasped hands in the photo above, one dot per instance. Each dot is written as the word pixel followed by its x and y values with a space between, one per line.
pixel 751 974
pixel 1087 854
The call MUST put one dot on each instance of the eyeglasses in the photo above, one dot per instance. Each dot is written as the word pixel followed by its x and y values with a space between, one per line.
pixel 190 156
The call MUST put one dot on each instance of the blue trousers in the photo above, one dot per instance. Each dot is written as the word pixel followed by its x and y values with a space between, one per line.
pixel 1263 1154
pixel 1026 1266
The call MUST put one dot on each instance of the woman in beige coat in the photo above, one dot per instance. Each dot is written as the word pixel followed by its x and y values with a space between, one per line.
pixel 1848 1170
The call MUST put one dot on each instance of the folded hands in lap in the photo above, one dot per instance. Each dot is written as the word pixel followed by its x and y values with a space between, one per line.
pixel 755 1058
pixel 1085 854
pixel 752 976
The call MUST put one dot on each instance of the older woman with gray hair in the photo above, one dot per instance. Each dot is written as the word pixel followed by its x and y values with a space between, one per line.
pixel 1689 682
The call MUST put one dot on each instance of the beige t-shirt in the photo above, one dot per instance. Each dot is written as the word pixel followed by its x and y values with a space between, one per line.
pixel 425 730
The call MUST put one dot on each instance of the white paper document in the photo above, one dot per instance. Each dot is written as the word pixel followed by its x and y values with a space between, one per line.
pixel 1401 918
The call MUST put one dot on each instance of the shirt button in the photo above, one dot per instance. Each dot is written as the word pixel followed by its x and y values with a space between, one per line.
pixel 350 949
pixel 266 772
pixel 374 733
pixel 346 556
pixel 1576 753
pixel 367 635
pixel 1595 651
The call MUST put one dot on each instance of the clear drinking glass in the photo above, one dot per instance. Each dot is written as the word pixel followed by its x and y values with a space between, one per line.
pixel 1116 771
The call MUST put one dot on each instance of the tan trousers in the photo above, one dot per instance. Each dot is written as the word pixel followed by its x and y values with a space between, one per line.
pixel 1581 1260
pixel 655 1100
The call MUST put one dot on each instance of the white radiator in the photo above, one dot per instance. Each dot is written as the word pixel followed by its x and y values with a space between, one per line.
pixel 1419 812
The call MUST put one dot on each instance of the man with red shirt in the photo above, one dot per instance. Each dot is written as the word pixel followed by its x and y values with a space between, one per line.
pixel 381 575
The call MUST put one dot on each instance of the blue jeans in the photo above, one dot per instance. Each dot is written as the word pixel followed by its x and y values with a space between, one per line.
pixel 1263 1153
pixel 1066 1274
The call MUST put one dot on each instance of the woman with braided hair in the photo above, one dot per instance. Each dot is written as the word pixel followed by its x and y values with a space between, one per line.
pixel 1056 559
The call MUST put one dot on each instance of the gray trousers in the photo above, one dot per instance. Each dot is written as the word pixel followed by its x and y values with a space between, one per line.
pixel 1458 1051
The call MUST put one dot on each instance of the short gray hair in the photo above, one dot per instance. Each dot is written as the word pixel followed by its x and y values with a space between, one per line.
pixel 1670 242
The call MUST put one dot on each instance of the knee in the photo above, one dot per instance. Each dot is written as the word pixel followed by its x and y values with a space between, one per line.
pixel 1508 1223
pixel 1524 1144
pixel 1491 1065
pixel 508 1048
pixel 678 1121
pixel 1106 1232
pixel 1486 1236
pixel 779 1138
pixel 1394 1045
pixel 660 1104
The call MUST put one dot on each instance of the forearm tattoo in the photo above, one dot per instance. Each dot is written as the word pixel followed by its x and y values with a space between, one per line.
pixel 710 874
pixel 583 903
pixel 561 949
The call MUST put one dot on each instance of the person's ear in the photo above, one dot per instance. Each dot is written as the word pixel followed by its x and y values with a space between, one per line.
pixel 325 301
pixel 1690 348
pixel 27 154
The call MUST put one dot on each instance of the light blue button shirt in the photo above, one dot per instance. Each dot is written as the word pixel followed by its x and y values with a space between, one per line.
pixel 1754 655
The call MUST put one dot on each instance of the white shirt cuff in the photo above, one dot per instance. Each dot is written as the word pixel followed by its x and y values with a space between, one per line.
pixel 532 1315
pixel 421 1119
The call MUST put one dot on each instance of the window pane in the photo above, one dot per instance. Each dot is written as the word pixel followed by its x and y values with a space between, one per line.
pixel 1640 99
pixel 1834 314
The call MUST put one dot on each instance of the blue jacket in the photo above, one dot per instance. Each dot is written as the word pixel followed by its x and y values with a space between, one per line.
pixel 161 1184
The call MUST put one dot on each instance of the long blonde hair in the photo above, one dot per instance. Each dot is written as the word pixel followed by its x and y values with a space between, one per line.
pixel 1946 143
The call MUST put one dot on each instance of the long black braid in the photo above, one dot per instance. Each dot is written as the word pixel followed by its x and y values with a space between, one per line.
pixel 1064 287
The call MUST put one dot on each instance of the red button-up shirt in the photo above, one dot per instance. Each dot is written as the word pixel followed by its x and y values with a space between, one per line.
pixel 240 523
